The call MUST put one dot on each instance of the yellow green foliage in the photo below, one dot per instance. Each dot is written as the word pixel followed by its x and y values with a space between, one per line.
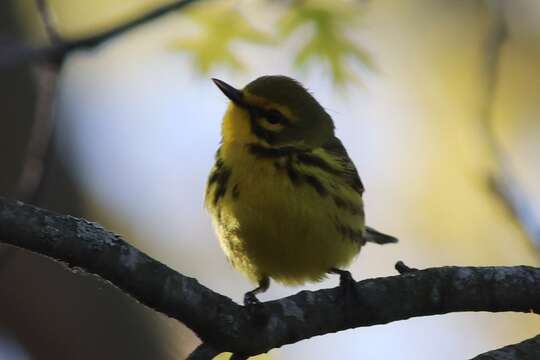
pixel 329 41
pixel 220 24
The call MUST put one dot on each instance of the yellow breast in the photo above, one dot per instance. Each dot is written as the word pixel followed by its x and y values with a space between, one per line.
pixel 282 217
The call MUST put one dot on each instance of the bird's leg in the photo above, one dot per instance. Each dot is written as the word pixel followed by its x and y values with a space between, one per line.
pixel 250 297
pixel 345 277
pixel 346 281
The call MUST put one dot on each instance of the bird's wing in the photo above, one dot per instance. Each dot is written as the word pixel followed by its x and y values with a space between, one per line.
pixel 336 148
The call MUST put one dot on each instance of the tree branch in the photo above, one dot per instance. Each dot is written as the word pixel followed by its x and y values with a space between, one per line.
pixel 203 352
pixel 525 350
pixel 47 19
pixel 227 326
pixel 41 133
pixel 14 54
pixel 502 181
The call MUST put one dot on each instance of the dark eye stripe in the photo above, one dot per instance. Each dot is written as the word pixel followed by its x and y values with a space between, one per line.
pixel 257 129
pixel 275 117
pixel 272 116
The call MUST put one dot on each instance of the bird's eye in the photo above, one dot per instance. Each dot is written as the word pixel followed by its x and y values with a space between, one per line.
pixel 275 117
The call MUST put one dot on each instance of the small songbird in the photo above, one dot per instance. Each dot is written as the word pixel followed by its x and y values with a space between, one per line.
pixel 285 198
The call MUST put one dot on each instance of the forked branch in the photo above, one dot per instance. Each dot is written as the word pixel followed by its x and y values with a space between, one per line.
pixel 14 54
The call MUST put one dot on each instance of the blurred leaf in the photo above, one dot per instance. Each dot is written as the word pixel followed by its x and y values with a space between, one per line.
pixel 329 42
pixel 220 26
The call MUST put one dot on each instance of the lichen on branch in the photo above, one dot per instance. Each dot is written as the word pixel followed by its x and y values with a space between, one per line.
pixel 227 326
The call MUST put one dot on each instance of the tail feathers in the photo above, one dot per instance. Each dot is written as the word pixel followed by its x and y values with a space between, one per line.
pixel 372 235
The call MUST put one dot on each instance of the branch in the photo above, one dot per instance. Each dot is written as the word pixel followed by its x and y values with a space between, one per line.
pixel 39 149
pixel 203 352
pixel 227 326
pixel 41 133
pixel 15 54
pixel 525 350
pixel 502 182
pixel 48 23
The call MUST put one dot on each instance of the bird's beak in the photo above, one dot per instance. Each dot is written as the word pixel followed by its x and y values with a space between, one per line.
pixel 232 93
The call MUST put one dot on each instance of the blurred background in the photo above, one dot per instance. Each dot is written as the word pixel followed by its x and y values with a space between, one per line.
pixel 436 101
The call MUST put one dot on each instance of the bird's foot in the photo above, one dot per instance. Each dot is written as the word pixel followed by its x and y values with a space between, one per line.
pixel 346 281
pixel 254 306
pixel 256 309
pixel 250 299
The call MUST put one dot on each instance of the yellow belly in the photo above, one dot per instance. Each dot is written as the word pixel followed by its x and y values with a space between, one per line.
pixel 269 226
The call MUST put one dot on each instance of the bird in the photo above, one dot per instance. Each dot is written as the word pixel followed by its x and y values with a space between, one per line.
pixel 284 197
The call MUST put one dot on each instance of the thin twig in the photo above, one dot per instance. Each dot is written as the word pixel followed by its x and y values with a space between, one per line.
pixel 38 149
pixel 48 22
pixel 41 132
pixel 40 135
pixel 12 54
pixel 46 76
pixel 38 146
pixel 502 180
pixel 217 320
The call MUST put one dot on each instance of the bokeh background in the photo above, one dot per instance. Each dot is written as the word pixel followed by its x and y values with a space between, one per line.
pixel 429 98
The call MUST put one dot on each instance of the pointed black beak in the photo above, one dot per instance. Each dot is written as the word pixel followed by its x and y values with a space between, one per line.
pixel 232 93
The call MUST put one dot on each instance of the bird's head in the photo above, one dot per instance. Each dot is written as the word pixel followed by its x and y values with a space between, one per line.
pixel 274 111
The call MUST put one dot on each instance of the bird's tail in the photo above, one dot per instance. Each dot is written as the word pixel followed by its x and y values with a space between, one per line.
pixel 372 235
